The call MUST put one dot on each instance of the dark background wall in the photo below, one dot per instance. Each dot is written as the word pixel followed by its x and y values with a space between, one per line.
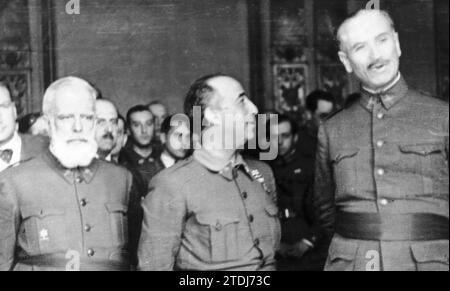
pixel 136 51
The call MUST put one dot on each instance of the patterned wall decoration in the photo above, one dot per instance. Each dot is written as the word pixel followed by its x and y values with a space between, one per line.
pixel 15 67
pixel 289 61
pixel 331 75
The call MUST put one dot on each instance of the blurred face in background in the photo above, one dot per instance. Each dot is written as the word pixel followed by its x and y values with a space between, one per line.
pixel 159 111
pixel 286 138
pixel 72 126
pixel 177 140
pixel 324 108
pixel 142 128
pixel 8 116
pixel 121 137
pixel 106 128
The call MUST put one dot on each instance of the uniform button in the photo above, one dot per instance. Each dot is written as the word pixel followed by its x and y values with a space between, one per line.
pixel 251 218
pixel 87 228
pixel 218 226
pixel 256 242
pixel 380 172
pixel 141 161
pixel 90 252
pixel 380 115
pixel 244 195
pixel 83 202
pixel 380 143
pixel 384 202
pixel 78 180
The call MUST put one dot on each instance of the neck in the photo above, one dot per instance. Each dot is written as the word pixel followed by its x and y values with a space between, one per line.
pixel 143 151
pixel 103 154
pixel 385 87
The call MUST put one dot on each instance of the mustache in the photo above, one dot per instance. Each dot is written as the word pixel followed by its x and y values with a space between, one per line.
pixel 377 63
pixel 108 135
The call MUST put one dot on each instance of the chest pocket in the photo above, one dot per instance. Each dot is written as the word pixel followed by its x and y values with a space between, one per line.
pixel 428 161
pixel 222 235
pixel 43 230
pixel 345 170
pixel 118 220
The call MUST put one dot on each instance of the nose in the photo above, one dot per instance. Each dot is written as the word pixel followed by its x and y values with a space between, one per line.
pixel 143 129
pixel 375 52
pixel 251 108
pixel 77 126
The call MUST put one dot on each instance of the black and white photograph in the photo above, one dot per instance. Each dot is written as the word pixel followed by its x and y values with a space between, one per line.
pixel 256 137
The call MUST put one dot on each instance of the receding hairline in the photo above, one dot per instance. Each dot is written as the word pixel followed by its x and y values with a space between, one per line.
pixel 361 13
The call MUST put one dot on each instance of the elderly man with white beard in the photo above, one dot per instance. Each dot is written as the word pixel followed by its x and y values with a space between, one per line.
pixel 65 209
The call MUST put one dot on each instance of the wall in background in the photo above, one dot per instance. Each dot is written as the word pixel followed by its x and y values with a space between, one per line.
pixel 137 51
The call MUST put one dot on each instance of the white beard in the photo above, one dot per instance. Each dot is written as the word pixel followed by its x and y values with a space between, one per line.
pixel 73 155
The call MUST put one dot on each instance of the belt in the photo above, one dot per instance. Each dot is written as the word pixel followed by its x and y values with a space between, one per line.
pixel 392 227
pixel 59 261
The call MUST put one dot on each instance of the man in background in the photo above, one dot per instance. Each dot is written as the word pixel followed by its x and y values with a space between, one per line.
pixel 176 141
pixel 106 128
pixel 160 112
pixel 302 245
pixel 14 147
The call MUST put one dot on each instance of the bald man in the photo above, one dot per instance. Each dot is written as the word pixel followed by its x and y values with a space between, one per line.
pixel 382 162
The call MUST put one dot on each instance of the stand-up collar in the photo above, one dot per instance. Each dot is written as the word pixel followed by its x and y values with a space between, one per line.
pixel 225 167
pixel 388 96
pixel 85 174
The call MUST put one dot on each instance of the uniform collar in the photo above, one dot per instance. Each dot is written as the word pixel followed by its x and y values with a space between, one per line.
pixel 85 174
pixel 388 96
pixel 226 168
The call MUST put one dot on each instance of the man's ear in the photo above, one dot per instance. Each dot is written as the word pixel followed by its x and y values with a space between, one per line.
pixel 397 44
pixel 125 139
pixel 295 138
pixel 163 138
pixel 345 61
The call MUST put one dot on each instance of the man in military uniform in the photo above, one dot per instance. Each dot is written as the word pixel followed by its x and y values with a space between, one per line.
pixel 14 147
pixel 215 210
pixel 382 162
pixel 302 247
pixel 64 209
pixel 141 156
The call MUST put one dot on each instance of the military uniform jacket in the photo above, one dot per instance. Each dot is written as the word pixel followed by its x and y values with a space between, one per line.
pixel 389 156
pixel 201 217
pixel 80 215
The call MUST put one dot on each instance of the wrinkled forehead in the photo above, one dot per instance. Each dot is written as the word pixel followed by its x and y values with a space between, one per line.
pixel 74 100
pixel 364 26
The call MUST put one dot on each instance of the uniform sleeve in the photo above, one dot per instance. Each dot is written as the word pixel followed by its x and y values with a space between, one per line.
pixel 164 217
pixel 8 225
pixel 323 199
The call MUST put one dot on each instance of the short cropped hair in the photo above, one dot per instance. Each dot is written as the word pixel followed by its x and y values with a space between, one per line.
pixel 313 98
pixel 48 102
pixel 360 12
pixel 134 109
pixel 200 94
